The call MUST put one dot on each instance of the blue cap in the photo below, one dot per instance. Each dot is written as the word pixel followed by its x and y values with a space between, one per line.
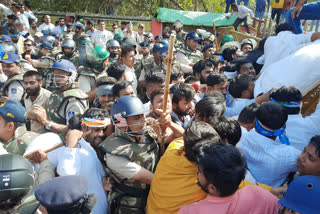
pixel 57 35
pixel 144 44
pixel 45 44
pixel 10 58
pixel 158 37
pixel 207 47
pixel 69 24
pixel 46 32
pixel 193 35
pixel 303 195
pixel 5 38
pixel 13 110
pixel 64 65
pixel 104 89
pixel 157 47
pixel 62 193
pixel 79 26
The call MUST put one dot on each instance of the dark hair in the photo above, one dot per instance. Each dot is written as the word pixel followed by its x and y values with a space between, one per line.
pixel 126 50
pixel 105 80
pixel 155 78
pixel 197 131
pixel 17 5
pixel 101 20
pixel 211 106
pixel 228 129
pixel 248 113
pixel 180 91
pixel 29 40
pixel 62 18
pixel 9 120
pixel 315 141
pixel 223 166
pixel 240 63
pixel 234 5
pixel 261 44
pixel 156 93
pixel 239 84
pixel 216 78
pixel 32 73
pixel 287 94
pixel 28 4
pixel 96 113
pixel 191 79
pixel 119 86
pixel 228 52
pixel 116 70
pixel 284 27
pixel 175 74
pixel 114 24
pixel 272 115
pixel 201 65
pixel 216 60
pixel 89 22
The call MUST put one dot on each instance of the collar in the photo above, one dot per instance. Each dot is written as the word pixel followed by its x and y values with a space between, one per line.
pixel 215 199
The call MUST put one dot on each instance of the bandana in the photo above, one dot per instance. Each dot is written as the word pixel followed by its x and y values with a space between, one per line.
pixel 291 104
pixel 265 131
pixel 96 122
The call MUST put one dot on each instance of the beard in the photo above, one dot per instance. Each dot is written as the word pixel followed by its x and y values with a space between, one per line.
pixel 204 188
pixel 181 113
pixel 32 92
pixel 113 55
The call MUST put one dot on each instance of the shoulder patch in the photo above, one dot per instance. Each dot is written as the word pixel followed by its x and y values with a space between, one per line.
pixel 13 90
pixel 70 114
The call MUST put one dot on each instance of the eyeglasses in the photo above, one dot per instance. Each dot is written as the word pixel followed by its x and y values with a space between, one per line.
pixel 29 45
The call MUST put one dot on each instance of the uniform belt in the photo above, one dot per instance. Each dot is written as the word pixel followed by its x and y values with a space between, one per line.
pixel 132 191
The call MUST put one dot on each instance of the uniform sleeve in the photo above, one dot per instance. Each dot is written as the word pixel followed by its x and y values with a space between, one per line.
pixel 183 59
pixel 142 75
pixel 46 171
pixel 84 83
pixel 122 167
pixel 15 91
pixel 74 107
pixel 42 63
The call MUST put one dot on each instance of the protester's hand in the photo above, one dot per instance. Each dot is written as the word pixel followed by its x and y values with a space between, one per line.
pixel 164 117
pixel 3 99
pixel 37 156
pixel 279 191
pixel 39 114
pixel 72 138
pixel 263 98
pixel 296 11
pixel 107 184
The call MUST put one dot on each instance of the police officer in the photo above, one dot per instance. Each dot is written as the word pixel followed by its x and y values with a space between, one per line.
pixel 69 52
pixel 13 87
pixel 96 64
pixel 189 55
pixel 17 179
pixel 79 28
pixel 153 63
pixel 66 194
pixel 130 155
pixel 69 33
pixel 14 136
pixel 113 46
pixel 144 50
pixel 179 32
pixel 66 100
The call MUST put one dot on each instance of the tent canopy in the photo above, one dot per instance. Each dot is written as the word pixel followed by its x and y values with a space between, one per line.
pixel 194 18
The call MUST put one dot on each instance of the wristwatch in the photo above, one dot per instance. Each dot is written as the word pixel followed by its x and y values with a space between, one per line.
pixel 49 125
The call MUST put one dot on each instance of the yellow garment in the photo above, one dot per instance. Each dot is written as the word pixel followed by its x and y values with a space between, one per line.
pixel 174 184
pixel 278 4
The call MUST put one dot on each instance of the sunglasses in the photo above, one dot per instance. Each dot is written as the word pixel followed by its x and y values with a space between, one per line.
pixel 29 45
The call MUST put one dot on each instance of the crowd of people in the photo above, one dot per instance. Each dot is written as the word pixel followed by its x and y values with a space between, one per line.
pixel 87 124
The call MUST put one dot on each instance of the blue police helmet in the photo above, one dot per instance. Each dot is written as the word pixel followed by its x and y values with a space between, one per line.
pixel 64 65
pixel 164 49
pixel 127 106
pixel 157 47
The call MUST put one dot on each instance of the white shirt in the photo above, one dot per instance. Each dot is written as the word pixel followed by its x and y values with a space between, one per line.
pixel 282 45
pixel 82 161
pixel 24 19
pixel 131 77
pixel 6 9
pixel 100 38
pixel 41 100
pixel 140 38
pixel 44 26
pixel 89 32
pixel 59 30
pixel 301 129
pixel 269 161
pixel 242 12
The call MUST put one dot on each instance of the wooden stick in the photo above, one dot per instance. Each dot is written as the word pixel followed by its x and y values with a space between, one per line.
pixel 59 145
pixel 216 37
pixel 166 88
pixel 119 55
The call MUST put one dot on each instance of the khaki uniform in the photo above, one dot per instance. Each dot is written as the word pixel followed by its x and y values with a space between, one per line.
pixel 148 67
pixel 18 144
pixel 44 66
pixel 63 106
pixel 87 78
pixel 181 35
pixel 75 58
pixel 77 40
pixel 193 56
pixel 138 65
pixel 129 196
pixel 13 88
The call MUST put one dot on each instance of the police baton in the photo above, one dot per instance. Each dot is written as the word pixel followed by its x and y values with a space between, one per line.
pixel 216 36
pixel 166 87
pixel 59 145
